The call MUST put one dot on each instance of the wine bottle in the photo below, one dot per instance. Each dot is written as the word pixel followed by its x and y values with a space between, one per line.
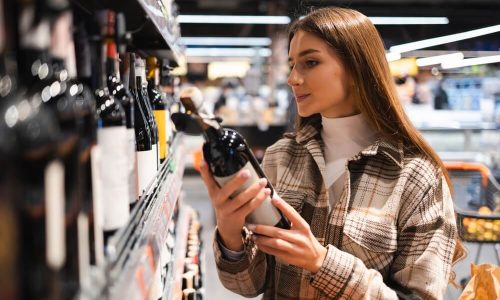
pixel 141 85
pixel 122 94
pixel 70 119
pixel 112 140
pixel 119 87
pixel 158 105
pixel 89 157
pixel 146 156
pixel 227 152
pixel 39 172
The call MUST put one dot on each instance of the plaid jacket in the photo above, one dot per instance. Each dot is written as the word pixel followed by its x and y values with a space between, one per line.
pixel 392 230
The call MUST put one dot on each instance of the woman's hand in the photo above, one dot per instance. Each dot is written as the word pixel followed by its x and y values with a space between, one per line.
pixel 297 246
pixel 231 213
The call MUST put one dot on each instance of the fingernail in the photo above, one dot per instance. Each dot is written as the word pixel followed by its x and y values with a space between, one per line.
pixel 267 191
pixel 262 182
pixel 245 174
pixel 251 227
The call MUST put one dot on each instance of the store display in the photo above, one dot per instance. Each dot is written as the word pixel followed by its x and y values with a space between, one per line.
pixel 73 222
pixel 226 152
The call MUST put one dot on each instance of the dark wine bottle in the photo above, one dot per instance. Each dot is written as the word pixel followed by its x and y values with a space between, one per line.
pixel 226 152
pixel 146 156
pixel 115 32
pixel 122 94
pixel 89 150
pixel 142 92
pixel 157 104
pixel 112 140
pixel 39 171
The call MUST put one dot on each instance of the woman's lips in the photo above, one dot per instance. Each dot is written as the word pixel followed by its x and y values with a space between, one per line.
pixel 302 97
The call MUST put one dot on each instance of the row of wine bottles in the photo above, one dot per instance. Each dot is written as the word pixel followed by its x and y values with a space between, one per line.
pixel 192 279
pixel 84 127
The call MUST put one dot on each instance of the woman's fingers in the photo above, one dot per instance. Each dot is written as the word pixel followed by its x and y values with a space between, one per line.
pixel 251 205
pixel 219 195
pixel 247 195
pixel 274 232
pixel 277 244
pixel 293 216
pixel 234 184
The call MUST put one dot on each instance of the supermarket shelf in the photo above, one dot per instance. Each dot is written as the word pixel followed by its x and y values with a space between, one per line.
pixel 154 31
pixel 133 252
pixel 173 288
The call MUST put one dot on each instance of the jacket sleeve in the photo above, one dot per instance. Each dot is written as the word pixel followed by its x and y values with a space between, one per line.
pixel 247 276
pixel 422 263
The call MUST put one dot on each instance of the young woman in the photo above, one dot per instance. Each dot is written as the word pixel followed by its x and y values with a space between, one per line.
pixel 367 197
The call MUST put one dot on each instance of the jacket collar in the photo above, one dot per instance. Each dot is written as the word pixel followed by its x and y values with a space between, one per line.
pixel 310 134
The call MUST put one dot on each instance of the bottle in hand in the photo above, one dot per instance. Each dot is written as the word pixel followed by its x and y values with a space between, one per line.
pixel 227 153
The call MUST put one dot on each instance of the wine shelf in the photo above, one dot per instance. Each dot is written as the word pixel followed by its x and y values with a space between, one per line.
pixel 133 253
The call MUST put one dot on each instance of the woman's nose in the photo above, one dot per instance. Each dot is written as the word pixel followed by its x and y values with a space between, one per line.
pixel 294 78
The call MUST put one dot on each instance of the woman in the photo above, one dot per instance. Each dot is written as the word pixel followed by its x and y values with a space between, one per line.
pixel 368 198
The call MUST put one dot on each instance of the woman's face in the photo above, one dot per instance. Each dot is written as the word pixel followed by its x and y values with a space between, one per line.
pixel 318 78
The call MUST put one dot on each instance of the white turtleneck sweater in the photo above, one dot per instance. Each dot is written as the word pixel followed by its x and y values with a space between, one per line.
pixel 343 138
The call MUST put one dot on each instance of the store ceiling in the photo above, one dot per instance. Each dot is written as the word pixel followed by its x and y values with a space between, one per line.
pixel 463 15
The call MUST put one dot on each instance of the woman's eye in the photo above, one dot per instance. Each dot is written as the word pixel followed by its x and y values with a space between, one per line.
pixel 311 63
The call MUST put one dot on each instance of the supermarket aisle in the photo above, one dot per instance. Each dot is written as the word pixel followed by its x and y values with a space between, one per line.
pixel 197 197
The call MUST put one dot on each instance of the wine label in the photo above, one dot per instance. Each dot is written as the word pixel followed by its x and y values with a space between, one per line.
pixel 146 169
pixel 266 213
pixel 95 161
pixel 132 181
pixel 160 117
pixel 114 175
pixel 54 214
pixel 83 250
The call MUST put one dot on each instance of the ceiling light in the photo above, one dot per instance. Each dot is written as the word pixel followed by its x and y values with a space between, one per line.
pixel 471 62
pixel 221 19
pixel 409 20
pixel 444 39
pixel 391 56
pixel 238 52
pixel 226 41
pixel 438 59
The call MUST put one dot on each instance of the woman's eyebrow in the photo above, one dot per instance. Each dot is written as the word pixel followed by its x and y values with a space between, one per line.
pixel 304 52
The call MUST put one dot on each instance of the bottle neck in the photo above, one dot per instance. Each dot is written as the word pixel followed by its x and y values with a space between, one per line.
pixel 210 133
pixel 112 65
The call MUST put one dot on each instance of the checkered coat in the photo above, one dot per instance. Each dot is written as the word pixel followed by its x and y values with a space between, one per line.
pixel 391 233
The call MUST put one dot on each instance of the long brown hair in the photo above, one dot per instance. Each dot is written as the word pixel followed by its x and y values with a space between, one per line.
pixel 358 44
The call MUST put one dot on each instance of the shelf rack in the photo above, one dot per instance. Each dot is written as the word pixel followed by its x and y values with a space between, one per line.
pixel 133 253
pixel 152 26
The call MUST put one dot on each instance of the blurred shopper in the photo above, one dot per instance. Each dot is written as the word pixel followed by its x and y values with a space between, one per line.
pixel 368 199
pixel 441 98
